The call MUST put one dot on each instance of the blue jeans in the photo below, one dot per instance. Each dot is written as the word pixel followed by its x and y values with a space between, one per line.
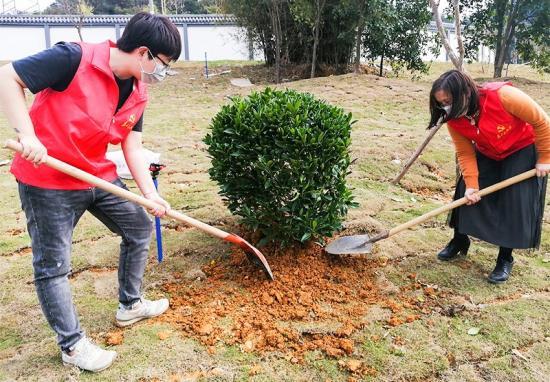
pixel 51 218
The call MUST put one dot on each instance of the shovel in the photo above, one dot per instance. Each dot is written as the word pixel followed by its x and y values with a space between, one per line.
pixel 252 253
pixel 363 243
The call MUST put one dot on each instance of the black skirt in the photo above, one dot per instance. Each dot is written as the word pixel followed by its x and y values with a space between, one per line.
pixel 511 217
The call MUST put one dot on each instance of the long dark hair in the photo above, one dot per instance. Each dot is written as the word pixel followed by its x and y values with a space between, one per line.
pixel 464 92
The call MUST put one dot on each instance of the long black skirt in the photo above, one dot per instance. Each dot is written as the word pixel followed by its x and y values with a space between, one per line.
pixel 511 217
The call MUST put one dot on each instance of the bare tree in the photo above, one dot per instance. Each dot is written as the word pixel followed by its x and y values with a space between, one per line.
pixel 84 9
pixel 79 8
pixel 362 6
pixel 310 12
pixel 319 7
pixel 457 59
pixel 274 7
pixel 458 62
pixel 505 32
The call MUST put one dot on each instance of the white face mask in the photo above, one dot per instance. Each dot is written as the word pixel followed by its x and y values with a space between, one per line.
pixel 157 75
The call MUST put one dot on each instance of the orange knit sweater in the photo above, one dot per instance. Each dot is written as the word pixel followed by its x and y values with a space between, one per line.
pixel 520 105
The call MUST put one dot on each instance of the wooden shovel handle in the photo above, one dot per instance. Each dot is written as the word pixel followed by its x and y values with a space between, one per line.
pixel 109 187
pixel 462 201
pixel 418 151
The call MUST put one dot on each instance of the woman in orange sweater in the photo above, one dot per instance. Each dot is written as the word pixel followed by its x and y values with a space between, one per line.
pixel 498 132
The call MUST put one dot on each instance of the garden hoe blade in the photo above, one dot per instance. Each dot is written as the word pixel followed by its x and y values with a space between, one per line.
pixel 349 245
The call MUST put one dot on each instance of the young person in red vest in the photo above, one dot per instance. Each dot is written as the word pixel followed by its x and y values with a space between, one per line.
pixel 498 132
pixel 87 97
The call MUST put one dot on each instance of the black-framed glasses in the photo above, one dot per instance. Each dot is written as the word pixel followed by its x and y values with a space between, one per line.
pixel 166 66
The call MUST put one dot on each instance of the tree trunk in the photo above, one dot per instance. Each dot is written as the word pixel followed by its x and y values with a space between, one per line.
pixel 319 6
pixel 315 44
pixel 505 37
pixel 458 33
pixel 79 27
pixel 276 25
pixel 358 41
pixel 382 64
pixel 458 62
pixel 498 68
pixel 500 11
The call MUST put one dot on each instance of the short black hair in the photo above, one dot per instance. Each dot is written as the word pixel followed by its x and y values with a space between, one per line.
pixel 156 32
pixel 462 89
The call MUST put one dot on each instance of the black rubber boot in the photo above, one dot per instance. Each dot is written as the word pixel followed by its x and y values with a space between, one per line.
pixel 458 245
pixel 502 270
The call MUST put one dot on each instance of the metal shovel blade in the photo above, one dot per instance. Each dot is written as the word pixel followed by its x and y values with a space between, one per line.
pixel 252 254
pixel 348 245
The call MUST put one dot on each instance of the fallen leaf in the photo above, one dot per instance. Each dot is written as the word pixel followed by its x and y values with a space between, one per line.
pixel 518 354
pixel 473 331
pixel 163 335
pixel 429 291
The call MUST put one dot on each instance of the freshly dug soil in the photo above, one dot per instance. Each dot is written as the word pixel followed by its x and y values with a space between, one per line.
pixel 316 302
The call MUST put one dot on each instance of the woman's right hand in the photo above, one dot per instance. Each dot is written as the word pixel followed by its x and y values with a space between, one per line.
pixel 472 196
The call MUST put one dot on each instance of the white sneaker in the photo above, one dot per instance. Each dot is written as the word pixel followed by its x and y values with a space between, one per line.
pixel 89 356
pixel 142 309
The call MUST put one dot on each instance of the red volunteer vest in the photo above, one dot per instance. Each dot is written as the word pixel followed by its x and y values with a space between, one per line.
pixel 498 133
pixel 77 124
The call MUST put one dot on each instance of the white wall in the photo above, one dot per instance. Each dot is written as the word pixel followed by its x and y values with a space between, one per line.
pixel 19 42
pixel 220 42
pixel 484 53
pixel 91 34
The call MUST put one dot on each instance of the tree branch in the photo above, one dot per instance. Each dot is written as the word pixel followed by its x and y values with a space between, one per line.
pixel 456 7
pixel 442 32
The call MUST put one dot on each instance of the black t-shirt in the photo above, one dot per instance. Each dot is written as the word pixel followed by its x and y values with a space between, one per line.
pixel 56 67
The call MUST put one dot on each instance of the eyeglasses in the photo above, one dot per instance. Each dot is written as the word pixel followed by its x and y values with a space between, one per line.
pixel 166 66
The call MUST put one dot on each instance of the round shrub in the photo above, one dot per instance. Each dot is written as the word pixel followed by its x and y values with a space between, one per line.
pixel 281 159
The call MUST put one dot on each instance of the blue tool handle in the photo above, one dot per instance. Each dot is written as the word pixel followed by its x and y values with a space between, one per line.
pixel 157 228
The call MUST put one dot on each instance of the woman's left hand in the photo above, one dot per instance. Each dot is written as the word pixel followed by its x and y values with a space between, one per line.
pixel 543 169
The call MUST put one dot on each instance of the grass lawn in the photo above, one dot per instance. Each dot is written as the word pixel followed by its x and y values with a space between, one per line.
pixel 395 315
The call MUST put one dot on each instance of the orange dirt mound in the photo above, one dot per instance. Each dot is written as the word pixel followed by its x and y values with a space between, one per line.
pixel 316 302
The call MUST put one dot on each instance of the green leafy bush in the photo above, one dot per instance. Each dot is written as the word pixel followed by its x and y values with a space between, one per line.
pixel 281 159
